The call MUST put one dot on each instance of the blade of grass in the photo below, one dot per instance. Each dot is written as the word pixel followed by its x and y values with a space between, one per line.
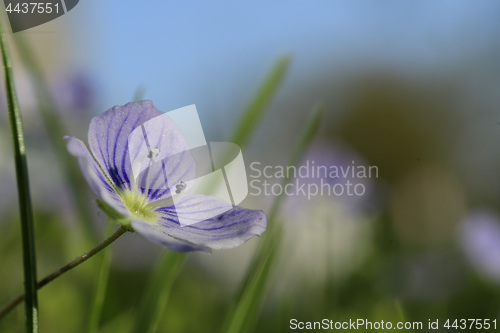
pixel 284 313
pixel 243 313
pixel 139 94
pixel 56 130
pixel 27 228
pixel 102 286
pixel 401 312
pixel 308 133
pixel 245 309
pixel 156 297
pixel 399 309
pixel 151 307
pixel 256 109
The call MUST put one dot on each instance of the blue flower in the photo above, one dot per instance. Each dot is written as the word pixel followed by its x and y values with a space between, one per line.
pixel 479 236
pixel 109 172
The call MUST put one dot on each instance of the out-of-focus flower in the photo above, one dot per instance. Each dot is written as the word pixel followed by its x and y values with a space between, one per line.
pixel 326 237
pixel 329 236
pixel 348 175
pixel 479 236
pixel 75 92
pixel 143 201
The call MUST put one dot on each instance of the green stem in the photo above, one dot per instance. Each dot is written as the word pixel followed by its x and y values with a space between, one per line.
pixel 27 229
pixel 102 284
pixel 256 109
pixel 84 257
pixel 243 314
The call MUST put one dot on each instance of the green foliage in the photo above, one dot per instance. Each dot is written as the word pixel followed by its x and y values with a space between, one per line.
pixel 157 293
pixel 102 284
pixel 23 188
pixel 243 313
pixel 56 130
pixel 161 282
pixel 256 109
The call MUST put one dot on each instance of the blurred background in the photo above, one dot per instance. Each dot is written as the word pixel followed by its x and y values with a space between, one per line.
pixel 410 87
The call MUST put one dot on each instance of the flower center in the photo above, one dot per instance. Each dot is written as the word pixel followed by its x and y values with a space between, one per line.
pixel 138 205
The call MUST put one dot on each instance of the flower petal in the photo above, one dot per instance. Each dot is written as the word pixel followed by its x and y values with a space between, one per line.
pixel 155 235
pixel 162 175
pixel 195 208
pixel 160 157
pixel 108 137
pixel 93 174
pixel 224 231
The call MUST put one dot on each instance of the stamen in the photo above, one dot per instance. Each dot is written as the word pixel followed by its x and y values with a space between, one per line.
pixel 179 187
pixel 151 155
pixel 137 165
pixel 137 205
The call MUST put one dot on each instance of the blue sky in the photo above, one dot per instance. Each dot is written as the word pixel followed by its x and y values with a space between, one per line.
pixel 215 53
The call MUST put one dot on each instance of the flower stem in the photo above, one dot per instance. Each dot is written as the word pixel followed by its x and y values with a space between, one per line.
pixel 26 212
pixel 12 304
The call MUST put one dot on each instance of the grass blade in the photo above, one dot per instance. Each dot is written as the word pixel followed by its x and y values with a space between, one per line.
pixel 247 304
pixel 400 310
pixel 308 133
pixel 161 282
pixel 27 228
pixel 255 110
pixel 139 93
pixel 102 286
pixel 56 130
pixel 157 294
pixel 245 310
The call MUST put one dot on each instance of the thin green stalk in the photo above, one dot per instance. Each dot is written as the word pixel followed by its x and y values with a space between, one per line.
pixel 81 259
pixel 139 94
pixel 399 309
pixel 243 313
pixel 156 296
pixel 256 109
pixel 56 131
pixel 27 229
pixel 102 285
pixel 401 312
pixel 308 134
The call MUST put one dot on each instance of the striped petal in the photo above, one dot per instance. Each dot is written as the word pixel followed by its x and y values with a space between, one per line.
pixel 224 231
pixel 160 157
pixel 93 174
pixel 108 138
pixel 156 236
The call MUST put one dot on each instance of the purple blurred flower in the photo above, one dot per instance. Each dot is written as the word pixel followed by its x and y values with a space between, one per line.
pixel 141 200
pixel 321 159
pixel 480 240
pixel 343 158
pixel 75 92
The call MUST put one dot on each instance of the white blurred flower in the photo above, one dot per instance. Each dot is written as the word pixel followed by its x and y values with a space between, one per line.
pixel 325 238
